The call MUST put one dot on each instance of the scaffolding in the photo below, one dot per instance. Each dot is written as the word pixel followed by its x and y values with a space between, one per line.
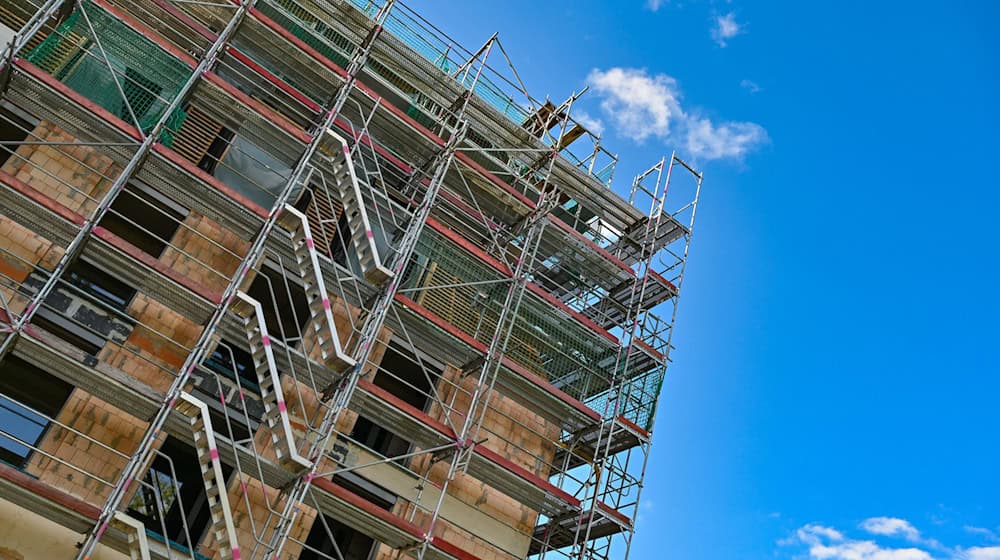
pixel 324 257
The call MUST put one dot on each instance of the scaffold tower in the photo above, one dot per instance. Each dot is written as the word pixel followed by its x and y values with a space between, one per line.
pixel 309 279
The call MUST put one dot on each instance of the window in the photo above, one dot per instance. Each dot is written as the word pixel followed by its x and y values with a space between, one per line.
pixel 13 130
pixel 229 360
pixel 352 544
pixel 346 543
pixel 87 308
pixel 181 489
pixel 283 300
pixel 99 284
pixel 399 374
pixel 28 397
pixel 144 218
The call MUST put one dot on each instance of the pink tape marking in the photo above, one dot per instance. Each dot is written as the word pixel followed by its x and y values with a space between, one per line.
pixel 236 553
pixel 281 406
pixel 326 303
pixel 213 453
pixel 266 340
pixel 309 242
pixel 370 234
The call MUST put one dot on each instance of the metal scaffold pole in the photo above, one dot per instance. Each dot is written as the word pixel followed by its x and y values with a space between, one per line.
pixel 145 448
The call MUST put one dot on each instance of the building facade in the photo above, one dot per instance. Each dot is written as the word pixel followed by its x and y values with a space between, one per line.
pixel 306 279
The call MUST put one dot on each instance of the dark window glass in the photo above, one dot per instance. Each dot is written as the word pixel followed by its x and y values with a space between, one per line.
pixel 143 221
pixel 346 543
pixel 28 397
pixel 286 309
pixel 99 284
pixel 13 129
pixel 232 361
pixel 400 375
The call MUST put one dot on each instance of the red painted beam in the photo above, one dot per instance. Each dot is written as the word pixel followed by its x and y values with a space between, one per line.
pixel 406 407
pixel 211 181
pixel 185 19
pixel 550 388
pixel 670 286
pixel 649 349
pixel 49 492
pixel 452 550
pixel 633 426
pixel 330 65
pixel 526 475
pixel 41 199
pixel 148 33
pixel 75 97
pixel 364 505
pixel 279 83
pixel 441 323
pixel 614 513
pixel 462 242
pixel 145 258
pixel 537 290
pixel 594 246
pixel 270 115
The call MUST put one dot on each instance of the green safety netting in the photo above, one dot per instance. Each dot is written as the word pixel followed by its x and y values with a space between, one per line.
pixel 465 292
pixel 92 50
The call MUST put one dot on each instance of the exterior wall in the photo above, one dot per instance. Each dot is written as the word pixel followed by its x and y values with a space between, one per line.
pixel 74 176
pixel 28 536
pixel 152 352
pixel 251 501
pixel 20 251
pixel 205 252
pixel 157 346
pixel 100 421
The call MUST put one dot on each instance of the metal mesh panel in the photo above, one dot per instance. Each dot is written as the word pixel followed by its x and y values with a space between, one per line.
pixel 149 77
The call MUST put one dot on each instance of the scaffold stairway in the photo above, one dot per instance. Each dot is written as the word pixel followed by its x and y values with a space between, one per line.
pixel 211 472
pixel 349 191
pixel 320 310
pixel 135 531
pixel 269 381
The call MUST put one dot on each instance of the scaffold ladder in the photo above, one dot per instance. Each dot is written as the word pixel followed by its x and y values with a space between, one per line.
pixel 135 531
pixel 349 191
pixel 211 472
pixel 269 381
pixel 320 309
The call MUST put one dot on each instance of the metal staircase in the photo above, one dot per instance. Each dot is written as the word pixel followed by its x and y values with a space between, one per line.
pixel 269 381
pixel 135 531
pixel 312 280
pixel 349 190
pixel 211 471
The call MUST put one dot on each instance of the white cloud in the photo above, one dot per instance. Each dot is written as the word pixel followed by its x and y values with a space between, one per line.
pixel 727 140
pixel 640 105
pixel 825 543
pixel 982 553
pixel 982 531
pixel 891 526
pixel 750 86
pixel 726 28
pixel 655 4
pixel 592 124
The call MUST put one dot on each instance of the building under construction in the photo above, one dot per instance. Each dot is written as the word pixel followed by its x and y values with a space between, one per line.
pixel 308 279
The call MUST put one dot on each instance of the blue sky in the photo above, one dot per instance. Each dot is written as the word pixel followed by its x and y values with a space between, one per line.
pixel 835 388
